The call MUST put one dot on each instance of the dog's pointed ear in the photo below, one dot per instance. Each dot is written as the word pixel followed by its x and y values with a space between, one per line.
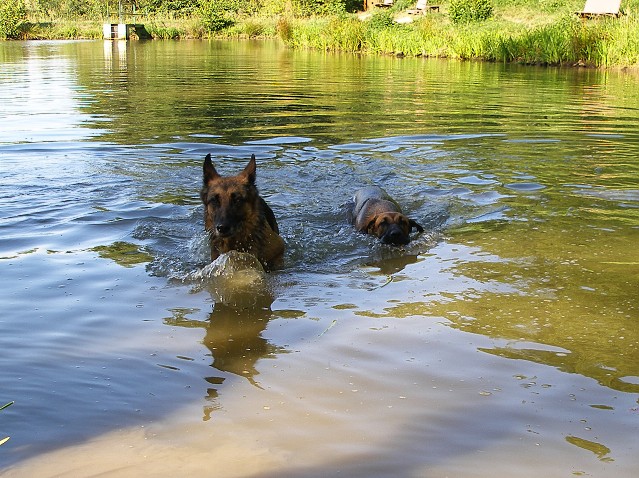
pixel 249 170
pixel 413 224
pixel 209 170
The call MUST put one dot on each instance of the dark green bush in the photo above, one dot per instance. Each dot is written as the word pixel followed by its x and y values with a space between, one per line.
pixel 327 7
pixel 168 5
pixel 217 15
pixel 381 20
pixel 466 11
pixel 13 18
pixel 253 29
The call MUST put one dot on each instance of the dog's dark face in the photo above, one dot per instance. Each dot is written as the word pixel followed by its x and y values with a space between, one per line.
pixel 393 228
pixel 229 202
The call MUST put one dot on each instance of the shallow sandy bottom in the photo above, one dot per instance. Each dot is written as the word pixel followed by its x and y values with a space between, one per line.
pixel 346 403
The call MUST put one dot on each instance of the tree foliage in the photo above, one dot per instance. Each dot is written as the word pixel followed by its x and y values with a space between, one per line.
pixel 13 18
pixel 215 10
pixel 218 14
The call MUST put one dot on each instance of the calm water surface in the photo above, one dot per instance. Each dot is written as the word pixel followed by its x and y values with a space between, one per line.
pixel 503 342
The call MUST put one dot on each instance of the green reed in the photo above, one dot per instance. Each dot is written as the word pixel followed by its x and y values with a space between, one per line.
pixel 324 33
pixel 566 40
pixel 161 31
pixel 603 42
pixel 546 32
pixel 63 30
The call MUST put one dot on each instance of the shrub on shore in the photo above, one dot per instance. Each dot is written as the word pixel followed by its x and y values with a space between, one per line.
pixel 13 18
pixel 216 15
pixel 466 11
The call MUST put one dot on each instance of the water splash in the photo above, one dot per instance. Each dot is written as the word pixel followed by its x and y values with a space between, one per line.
pixel 235 279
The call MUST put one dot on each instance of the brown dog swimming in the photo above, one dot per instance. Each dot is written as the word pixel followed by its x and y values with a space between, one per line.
pixel 374 212
pixel 237 217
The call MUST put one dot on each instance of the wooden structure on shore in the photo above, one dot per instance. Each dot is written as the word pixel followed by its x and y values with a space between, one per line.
pixel 121 30
pixel 118 31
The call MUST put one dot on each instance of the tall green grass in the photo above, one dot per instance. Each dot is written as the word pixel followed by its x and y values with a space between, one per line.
pixel 63 30
pixel 604 42
pixel 564 40
pixel 523 31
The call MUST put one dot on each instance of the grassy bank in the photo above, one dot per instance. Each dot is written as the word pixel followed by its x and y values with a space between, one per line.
pixel 524 31
pixel 557 38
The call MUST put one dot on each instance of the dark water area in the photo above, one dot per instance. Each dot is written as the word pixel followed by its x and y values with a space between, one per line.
pixel 504 340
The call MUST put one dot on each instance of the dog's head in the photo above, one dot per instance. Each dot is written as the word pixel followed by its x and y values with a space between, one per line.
pixel 392 228
pixel 229 201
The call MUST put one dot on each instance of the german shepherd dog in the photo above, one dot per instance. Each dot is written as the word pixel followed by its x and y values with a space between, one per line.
pixel 237 217
pixel 372 211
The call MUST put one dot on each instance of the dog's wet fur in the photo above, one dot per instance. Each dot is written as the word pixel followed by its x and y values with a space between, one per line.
pixel 372 211
pixel 237 218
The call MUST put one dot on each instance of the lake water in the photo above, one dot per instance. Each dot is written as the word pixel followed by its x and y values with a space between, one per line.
pixel 504 341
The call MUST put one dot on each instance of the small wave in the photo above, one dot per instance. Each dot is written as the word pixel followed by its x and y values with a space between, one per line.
pixel 235 279
pixel 618 195
pixel 525 187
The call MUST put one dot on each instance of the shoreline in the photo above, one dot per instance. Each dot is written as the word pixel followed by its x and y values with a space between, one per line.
pixel 562 39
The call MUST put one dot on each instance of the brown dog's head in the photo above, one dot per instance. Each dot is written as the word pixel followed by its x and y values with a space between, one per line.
pixel 392 228
pixel 229 202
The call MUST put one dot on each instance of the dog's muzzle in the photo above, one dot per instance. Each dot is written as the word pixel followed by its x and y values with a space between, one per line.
pixel 222 230
pixel 395 236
